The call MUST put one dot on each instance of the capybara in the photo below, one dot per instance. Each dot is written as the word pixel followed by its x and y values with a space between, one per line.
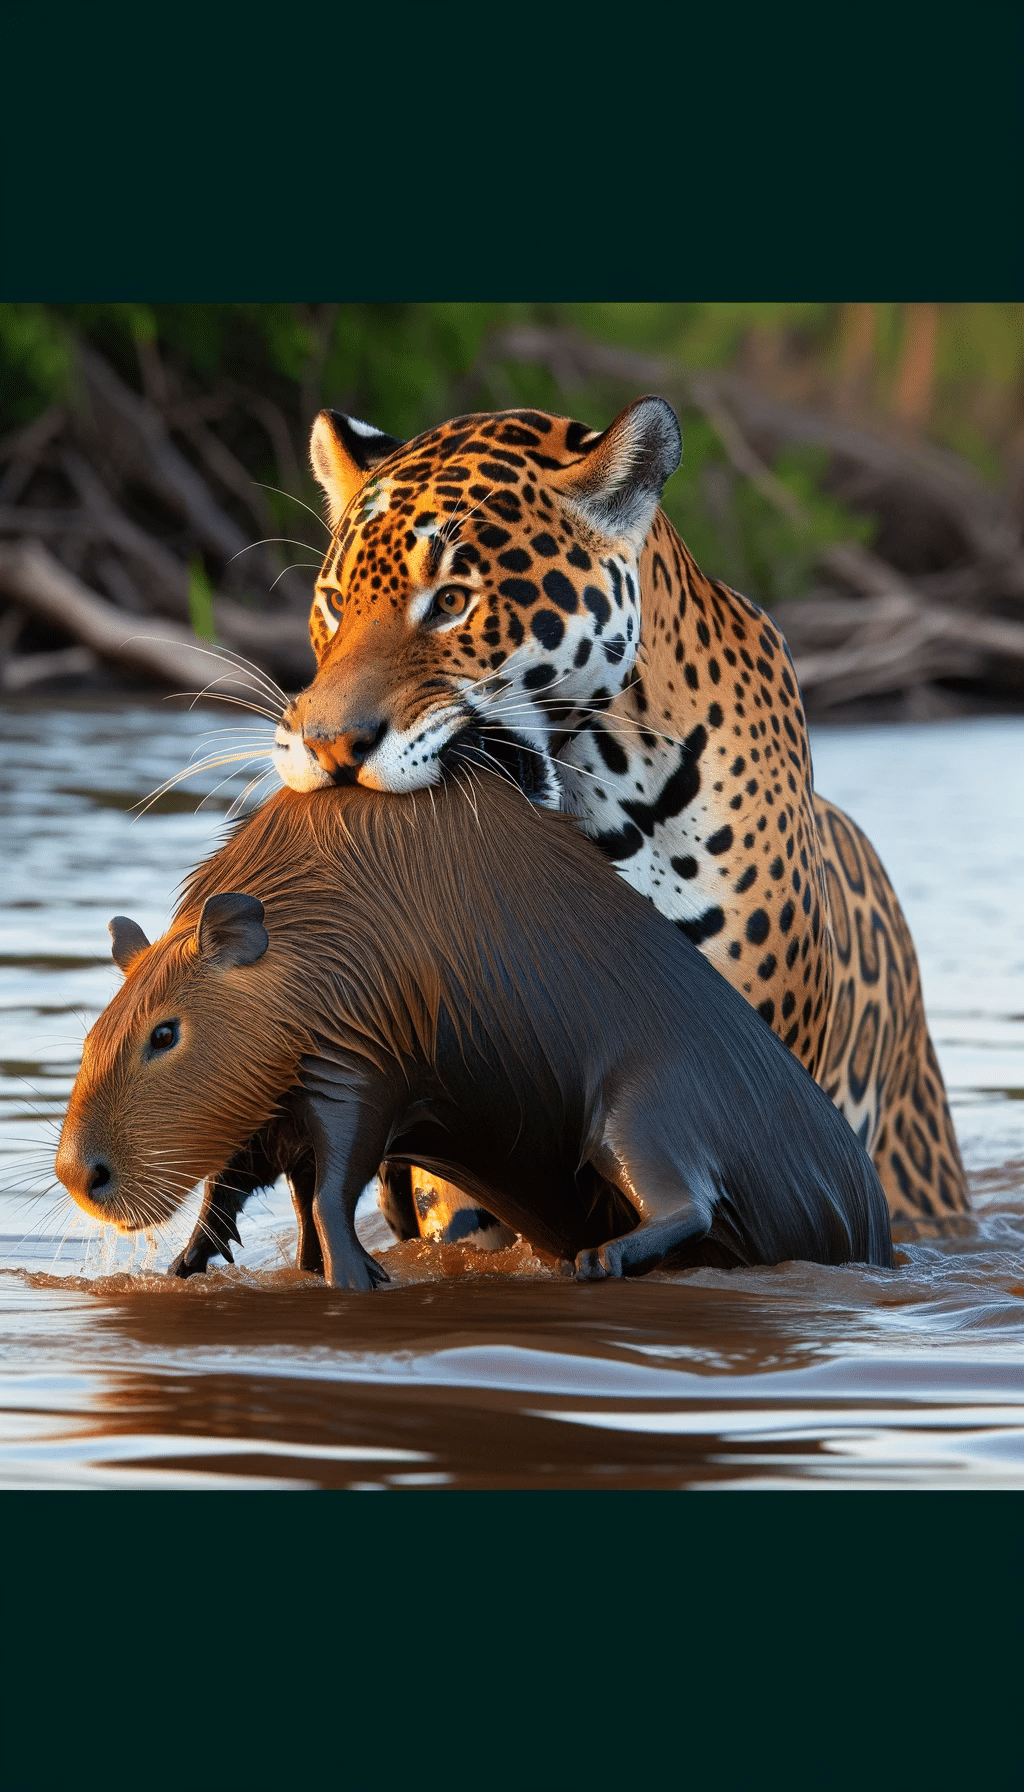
pixel 458 980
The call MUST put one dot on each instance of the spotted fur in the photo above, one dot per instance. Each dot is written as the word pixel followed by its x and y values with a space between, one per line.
pixel 596 664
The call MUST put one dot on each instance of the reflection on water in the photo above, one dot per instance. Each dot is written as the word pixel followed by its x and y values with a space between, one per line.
pixel 258 1376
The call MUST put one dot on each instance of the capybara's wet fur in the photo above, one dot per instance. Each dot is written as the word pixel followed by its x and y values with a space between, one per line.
pixel 458 980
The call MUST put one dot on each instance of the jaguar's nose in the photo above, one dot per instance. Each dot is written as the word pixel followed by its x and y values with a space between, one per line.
pixel 342 755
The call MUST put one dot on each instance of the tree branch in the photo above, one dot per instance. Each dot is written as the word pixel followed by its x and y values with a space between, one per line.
pixel 31 578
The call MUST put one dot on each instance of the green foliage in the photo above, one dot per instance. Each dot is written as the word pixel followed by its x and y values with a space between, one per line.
pixel 736 535
pixel 35 363
pixel 200 602
pixel 781 556
pixel 397 364
pixel 700 335
pixel 405 366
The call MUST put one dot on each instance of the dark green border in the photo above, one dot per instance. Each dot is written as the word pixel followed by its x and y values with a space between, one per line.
pixel 419 151
pixel 207 153
pixel 253 1642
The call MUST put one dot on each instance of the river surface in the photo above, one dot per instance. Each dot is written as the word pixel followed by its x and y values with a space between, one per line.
pixel 796 1377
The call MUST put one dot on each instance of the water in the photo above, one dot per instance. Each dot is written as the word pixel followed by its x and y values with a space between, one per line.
pixel 256 1376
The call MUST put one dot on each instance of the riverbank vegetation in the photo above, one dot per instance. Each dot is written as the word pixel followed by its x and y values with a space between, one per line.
pixel 857 468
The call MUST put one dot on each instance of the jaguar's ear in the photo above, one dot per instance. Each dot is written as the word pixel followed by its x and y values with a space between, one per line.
pixel 342 451
pixel 231 930
pixel 617 481
pixel 127 941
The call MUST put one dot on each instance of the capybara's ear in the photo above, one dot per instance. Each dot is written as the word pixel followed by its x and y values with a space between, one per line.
pixel 231 930
pixel 342 453
pixel 128 940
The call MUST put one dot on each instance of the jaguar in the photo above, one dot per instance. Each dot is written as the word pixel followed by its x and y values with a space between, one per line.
pixel 504 591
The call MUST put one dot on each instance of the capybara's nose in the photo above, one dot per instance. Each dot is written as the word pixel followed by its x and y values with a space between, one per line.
pixel 86 1176
pixel 98 1175
pixel 341 756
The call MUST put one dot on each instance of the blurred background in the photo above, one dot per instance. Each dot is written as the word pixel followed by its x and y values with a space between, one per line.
pixel 859 469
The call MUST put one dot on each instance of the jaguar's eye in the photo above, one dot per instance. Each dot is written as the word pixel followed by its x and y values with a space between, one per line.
pixel 451 600
pixel 164 1036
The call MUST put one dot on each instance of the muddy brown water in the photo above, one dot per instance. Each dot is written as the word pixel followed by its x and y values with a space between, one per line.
pixel 476 1372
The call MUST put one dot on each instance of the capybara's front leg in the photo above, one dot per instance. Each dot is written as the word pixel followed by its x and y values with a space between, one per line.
pixel 224 1196
pixel 347 1124
pixel 257 1165
pixel 338 1188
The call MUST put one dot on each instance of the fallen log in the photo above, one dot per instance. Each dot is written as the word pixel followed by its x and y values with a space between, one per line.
pixel 32 579
pixel 20 671
pixel 279 642
pixel 889 644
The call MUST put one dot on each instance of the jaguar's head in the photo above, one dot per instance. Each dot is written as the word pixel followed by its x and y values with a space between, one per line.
pixel 480 597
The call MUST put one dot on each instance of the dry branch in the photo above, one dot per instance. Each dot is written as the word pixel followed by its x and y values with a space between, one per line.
pixel 844 649
pixel 20 671
pixel 32 579
pixel 942 479
pixel 90 470
pixel 901 632
pixel 901 629
pixel 280 643
pixel 134 436
pixel 945 481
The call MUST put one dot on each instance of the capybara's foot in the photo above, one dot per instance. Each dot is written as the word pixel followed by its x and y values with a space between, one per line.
pixel 359 1272
pixel 619 1257
pixel 188 1263
pixel 595 1264
pixel 640 1250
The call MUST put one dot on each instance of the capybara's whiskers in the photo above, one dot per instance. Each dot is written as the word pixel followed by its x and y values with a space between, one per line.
pixel 41 1221
pixel 44 1118
pixel 74 1219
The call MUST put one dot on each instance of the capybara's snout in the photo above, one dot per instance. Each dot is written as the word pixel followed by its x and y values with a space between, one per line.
pixel 88 1169
pixel 98 1184
pixel 88 1179
pixel 184 1064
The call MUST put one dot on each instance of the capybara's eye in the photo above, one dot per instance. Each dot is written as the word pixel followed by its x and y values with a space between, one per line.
pixel 451 600
pixel 164 1036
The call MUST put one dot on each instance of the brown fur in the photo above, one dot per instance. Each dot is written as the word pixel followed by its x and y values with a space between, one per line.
pixel 472 1020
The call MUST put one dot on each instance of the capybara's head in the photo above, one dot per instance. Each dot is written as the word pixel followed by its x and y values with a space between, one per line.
pixel 186 1063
